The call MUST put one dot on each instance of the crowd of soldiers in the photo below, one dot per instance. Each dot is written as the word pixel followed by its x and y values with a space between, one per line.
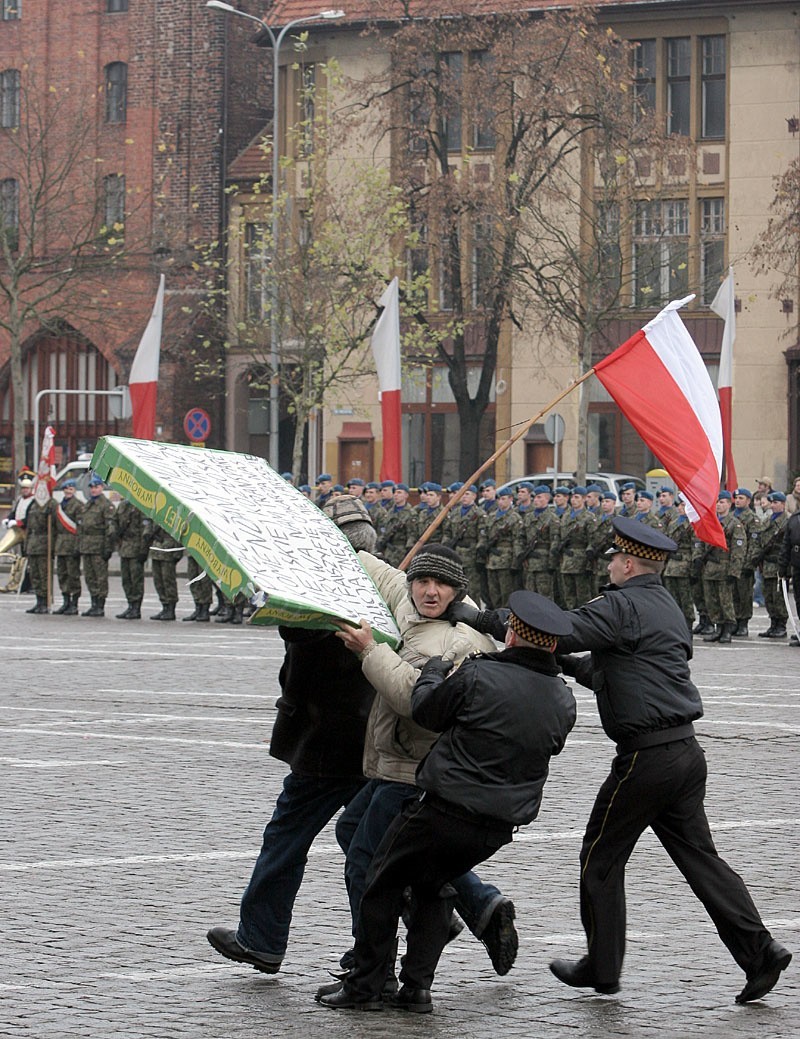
pixel 508 538
pixel 555 544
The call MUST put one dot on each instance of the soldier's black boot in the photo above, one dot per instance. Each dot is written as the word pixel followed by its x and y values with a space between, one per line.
pixel 101 608
pixel 768 633
pixel 64 605
pixel 219 606
pixel 725 634
pixel 741 630
pixel 778 632
pixel 91 612
pixel 203 612
pixel 169 612
pixel 716 634
pixel 701 626
pixel 41 606
pixel 72 609
pixel 238 613
pixel 225 614
pixel 125 613
pixel 160 615
pixel 192 616
pixel 135 611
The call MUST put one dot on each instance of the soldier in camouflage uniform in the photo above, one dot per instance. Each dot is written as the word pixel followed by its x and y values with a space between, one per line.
pixel 720 570
pixel 133 532
pixel 165 552
pixel 667 509
pixel 602 539
pixel 744 586
pixel 38 544
pixel 68 557
pixel 768 557
pixel 677 574
pixel 96 543
pixel 539 526
pixel 430 506
pixel 464 530
pixel 504 548
pixel 202 592
pixel 371 499
pixel 699 552
pixel 576 561
pixel 394 536
pixel 644 511
pixel 627 493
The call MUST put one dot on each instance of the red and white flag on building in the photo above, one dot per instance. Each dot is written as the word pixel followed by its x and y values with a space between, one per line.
pixel 723 305
pixel 662 386
pixel 143 380
pixel 386 350
pixel 46 472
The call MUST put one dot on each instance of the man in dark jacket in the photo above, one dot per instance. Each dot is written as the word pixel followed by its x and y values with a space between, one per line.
pixel 319 732
pixel 477 786
pixel 789 562
pixel 639 671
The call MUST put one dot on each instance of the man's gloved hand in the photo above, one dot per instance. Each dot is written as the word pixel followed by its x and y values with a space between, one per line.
pixel 566 662
pixel 437 666
pixel 487 622
pixel 697 567
pixel 463 612
pixel 591 554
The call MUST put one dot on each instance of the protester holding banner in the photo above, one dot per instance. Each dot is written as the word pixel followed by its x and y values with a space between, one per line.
pixel 68 557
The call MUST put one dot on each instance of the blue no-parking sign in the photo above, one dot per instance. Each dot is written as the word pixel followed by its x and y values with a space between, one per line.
pixel 197 425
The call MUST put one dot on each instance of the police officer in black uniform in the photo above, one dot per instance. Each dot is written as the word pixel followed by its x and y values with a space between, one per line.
pixel 639 670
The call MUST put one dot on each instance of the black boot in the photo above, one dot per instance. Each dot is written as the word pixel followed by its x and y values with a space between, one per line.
pixel 192 616
pixel 72 609
pixel 101 607
pixel 219 606
pixel 725 634
pixel 167 612
pixel 741 630
pixel 225 614
pixel 701 628
pixel 64 605
pixel 135 611
pixel 717 634
pixel 768 633
pixel 92 611
pixel 41 606
pixel 237 614
pixel 125 614
pixel 778 632
pixel 203 612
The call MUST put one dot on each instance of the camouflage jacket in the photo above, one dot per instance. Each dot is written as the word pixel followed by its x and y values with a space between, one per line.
pixel 422 520
pixel 539 528
pixel 720 563
pixel 96 527
pixel 465 531
pixel 679 563
pixel 392 539
pixel 752 528
pixel 771 543
pixel 67 543
pixel 574 537
pixel 163 545
pixel 503 540
pixel 133 530
pixel 37 520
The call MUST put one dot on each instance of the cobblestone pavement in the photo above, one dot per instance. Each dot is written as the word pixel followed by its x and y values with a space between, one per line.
pixel 136 784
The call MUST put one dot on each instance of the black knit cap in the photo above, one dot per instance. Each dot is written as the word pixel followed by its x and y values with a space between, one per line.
pixel 440 563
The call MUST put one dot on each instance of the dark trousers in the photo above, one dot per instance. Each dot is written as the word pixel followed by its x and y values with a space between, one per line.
pixel 303 809
pixel 132 573
pixel 423 849
pixel 663 788
pixel 68 569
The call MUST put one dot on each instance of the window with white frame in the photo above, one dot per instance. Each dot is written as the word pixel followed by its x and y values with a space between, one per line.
pixel 661 252
pixel 11 10
pixel 114 204
pixel 9 212
pixel 258 257
pixel 116 83
pixel 712 246
pixel 9 98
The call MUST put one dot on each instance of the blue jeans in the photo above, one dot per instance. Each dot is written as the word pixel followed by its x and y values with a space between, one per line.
pixel 305 806
pixel 359 831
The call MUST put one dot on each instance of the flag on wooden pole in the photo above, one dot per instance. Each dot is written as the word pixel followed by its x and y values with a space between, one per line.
pixel 386 350
pixel 143 379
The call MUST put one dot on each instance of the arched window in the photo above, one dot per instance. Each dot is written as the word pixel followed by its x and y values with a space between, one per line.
pixel 116 91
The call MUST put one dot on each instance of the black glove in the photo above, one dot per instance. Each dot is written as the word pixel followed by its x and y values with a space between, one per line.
pixel 784 575
pixel 487 622
pixel 697 567
pixel 463 612
pixel 591 554
pixel 481 554
pixel 107 554
pixel 566 662
pixel 436 666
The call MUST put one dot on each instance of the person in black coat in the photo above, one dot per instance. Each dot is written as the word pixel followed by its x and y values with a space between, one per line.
pixel 319 732
pixel 639 671
pixel 501 717
pixel 789 563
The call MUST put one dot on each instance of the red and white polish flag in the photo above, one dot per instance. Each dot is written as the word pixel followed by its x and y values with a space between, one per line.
pixel 46 473
pixel 143 379
pixel 386 350
pixel 663 388
pixel 723 304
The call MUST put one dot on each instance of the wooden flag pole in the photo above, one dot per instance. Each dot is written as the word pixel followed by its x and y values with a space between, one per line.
pixel 434 526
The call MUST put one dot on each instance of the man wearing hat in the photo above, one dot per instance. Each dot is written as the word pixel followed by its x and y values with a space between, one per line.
pixel 789 562
pixel 667 510
pixel 464 530
pixel 504 549
pixel 539 526
pixel 133 532
pixel 38 545
pixel 355 486
pixel 677 574
pixel 524 498
pixel 477 786
pixel 644 510
pixel 65 546
pixel 743 587
pixel 430 506
pixel 721 567
pixel 324 489
pixel 639 670
pixel 575 562
pixel 627 493
pixel 96 542
pixel 601 539
pixel 488 500
pixel 594 495
pixel 392 539
pixel 768 558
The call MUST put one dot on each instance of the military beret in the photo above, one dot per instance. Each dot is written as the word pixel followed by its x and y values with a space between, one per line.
pixel 374 486
pixel 744 491
pixel 541 488
pixel 537 619
pixel 455 487
pixel 401 487
pixel 724 494
pixel 388 483
pixel 628 486
pixel 563 490
pixel 473 487
pixel 286 476
pixel 526 485
pixel 609 495
pixel 594 488
pixel 666 490
pixel 489 483
pixel 505 492
pixel 776 496
pixel 95 480
pixel 435 487
pixel 579 490
pixel 355 481
pixel 324 476
pixel 338 487
pixel 68 483
pixel 638 539
pixel 304 487
pixel 646 494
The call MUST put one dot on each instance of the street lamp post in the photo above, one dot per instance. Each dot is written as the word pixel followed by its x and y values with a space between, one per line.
pixel 274 323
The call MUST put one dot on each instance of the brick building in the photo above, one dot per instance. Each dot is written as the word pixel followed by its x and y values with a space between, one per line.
pixel 161 94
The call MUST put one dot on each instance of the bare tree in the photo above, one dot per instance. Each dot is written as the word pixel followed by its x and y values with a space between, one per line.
pixel 777 248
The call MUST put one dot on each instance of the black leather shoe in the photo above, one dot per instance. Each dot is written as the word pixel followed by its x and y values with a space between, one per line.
pixel 414 1000
pixel 775 960
pixel 345 999
pixel 500 937
pixel 225 942
pixel 576 973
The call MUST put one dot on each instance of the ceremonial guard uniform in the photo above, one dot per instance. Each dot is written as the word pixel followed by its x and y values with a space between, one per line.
pixel 38 532
pixel 134 533
pixel 677 574
pixel 165 552
pixel 720 569
pixel 504 548
pixel 539 527
pixel 96 543
pixel 575 560
pixel 68 556
pixel 769 554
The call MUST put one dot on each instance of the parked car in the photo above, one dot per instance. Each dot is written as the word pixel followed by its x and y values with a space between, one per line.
pixel 79 471
pixel 608 481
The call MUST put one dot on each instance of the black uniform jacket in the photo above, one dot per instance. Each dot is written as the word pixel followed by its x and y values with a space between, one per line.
pixel 323 708
pixel 639 664
pixel 502 716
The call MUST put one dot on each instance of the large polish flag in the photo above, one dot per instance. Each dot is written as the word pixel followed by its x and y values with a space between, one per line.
pixel 46 473
pixel 143 380
pixel 723 305
pixel 386 350
pixel 663 388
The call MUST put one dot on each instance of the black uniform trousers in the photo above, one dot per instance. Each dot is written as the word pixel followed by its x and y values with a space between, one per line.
pixel 429 844
pixel 661 787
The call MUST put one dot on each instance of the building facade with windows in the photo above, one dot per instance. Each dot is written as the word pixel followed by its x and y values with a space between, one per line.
pixel 723 76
